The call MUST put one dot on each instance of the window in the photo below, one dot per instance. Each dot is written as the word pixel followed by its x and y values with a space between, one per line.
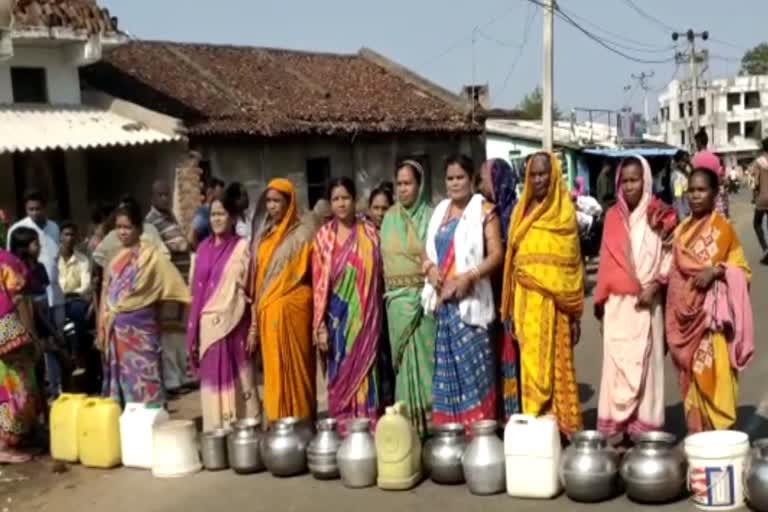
pixel 753 130
pixel 682 137
pixel 734 100
pixel 702 106
pixel 318 175
pixel 734 130
pixel 690 108
pixel 752 99
pixel 681 108
pixel 29 85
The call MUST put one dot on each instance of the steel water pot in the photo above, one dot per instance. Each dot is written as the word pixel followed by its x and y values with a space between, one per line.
pixel 589 469
pixel 442 454
pixel 213 449
pixel 654 470
pixel 243 445
pixel 357 455
pixel 483 461
pixel 284 447
pixel 321 452
pixel 756 476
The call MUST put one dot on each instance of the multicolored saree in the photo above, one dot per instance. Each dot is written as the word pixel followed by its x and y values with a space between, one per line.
pixel 138 279
pixel 411 331
pixel 347 300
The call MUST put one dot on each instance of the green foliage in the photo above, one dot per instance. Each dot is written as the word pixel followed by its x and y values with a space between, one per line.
pixel 755 61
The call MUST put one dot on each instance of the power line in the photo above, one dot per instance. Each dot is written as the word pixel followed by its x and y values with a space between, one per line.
pixel 526 32
pixel 600 40
pixel 493 39
pixel 632 5
pixel 458 43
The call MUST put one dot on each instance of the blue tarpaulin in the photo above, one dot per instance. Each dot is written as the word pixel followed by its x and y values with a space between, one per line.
pixel 623 153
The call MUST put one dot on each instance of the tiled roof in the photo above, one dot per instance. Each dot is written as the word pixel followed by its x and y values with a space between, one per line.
pixel 229 90
pixel 44 127
pixel 80 15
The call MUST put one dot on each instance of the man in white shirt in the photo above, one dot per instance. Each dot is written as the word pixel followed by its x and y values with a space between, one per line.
pixel 75 281
pixel 48 234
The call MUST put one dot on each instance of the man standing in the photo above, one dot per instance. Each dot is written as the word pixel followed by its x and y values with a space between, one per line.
pixel 606 194
pixel 48 234
pixel 172 319
pixel 679 184
pixel 759 170
pixel 75 281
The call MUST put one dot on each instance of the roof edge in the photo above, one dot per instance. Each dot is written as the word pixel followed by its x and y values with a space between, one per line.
pixel 415 79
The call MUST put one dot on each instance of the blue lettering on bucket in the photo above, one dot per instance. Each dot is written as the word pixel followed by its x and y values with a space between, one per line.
pixel 713 486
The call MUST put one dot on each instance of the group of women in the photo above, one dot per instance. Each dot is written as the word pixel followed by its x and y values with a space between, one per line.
pixel 464 312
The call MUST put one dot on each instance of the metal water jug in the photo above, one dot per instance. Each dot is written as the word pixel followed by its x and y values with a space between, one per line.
pixel 357 455
pixel 483 460
pixel 756 476
pixel 654 470
pixel 284 447
pixel 589 469
pixel 443 452
pixel 243 447
pixel 213 449
pixel 321 452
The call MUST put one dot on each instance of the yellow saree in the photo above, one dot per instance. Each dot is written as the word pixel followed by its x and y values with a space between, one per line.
pixel 543 293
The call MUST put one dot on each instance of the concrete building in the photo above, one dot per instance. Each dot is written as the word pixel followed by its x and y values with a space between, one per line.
pixel 53 137
pixel 732 110
pixel 258 113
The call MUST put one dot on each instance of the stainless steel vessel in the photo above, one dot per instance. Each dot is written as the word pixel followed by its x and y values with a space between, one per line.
pixel 756 476
pixel 589 468
pixel 213 449
pixel 357 455
pixel 442 454
pixel 483 460
pixel 243 447
pixel 321 452
pixel 654 470
pixel 284 448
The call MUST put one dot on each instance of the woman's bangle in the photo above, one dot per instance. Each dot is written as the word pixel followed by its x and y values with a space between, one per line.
pixel 475 273
pixel 427 266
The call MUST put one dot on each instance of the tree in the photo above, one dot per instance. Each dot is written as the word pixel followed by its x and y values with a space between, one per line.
pixel 531 105
pixel 755 61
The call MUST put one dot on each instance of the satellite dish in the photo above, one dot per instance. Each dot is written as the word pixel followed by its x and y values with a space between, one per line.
pixel 6 14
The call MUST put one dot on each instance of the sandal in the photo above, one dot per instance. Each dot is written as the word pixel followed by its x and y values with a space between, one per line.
pixel 13 457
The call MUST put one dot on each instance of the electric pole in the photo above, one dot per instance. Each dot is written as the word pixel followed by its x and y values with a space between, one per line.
pixel 642 80
pixel 546 103
pixel 693 57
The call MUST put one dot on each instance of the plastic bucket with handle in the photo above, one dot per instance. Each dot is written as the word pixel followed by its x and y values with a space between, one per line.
pixel 715 467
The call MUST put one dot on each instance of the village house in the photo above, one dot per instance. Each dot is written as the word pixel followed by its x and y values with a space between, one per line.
pixel 257 113
pixel 54 137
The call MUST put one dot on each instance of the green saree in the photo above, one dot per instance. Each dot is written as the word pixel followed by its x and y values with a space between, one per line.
pixel 411 331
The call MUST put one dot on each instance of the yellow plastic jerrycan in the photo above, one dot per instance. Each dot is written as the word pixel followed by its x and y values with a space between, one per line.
pixel 64 415
pixel 98 432
pixel 398 451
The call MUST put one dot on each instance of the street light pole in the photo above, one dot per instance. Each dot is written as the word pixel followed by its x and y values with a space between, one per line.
pixel 546 103
pixel 692 63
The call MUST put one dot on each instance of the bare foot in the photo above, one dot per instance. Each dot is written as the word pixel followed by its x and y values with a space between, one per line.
pixel 8 456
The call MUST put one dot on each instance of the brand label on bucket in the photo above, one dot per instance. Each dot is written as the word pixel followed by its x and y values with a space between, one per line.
pixel 713 486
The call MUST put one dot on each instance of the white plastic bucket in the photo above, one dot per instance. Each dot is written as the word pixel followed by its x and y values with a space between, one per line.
pixel 715 469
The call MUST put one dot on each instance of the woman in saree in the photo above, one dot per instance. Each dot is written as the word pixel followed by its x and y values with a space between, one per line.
pixel 137 281
pixel 708 314
pixel 348 309
pixel 219 318
pixel 411 331
pixel 282 302
pixel 463 251
pixel 634 263
pixel 379 202
pixel 498 184
pixel 19 394
pixel 543 295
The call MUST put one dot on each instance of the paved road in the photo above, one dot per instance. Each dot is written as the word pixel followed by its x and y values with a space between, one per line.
pixel 35 488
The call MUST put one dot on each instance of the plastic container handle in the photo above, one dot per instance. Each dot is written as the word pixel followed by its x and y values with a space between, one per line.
pixel 520 419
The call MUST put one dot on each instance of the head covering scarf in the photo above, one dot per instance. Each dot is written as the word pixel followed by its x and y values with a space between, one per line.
pixel 543 250
pixel 504 182
pixel 263 225
pixel 708 160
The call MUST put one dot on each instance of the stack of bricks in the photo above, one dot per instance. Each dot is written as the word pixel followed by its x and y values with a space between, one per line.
pixel 187 196
pixel 78 15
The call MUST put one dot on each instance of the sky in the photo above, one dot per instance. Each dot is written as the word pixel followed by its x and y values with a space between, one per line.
pixel 435 38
